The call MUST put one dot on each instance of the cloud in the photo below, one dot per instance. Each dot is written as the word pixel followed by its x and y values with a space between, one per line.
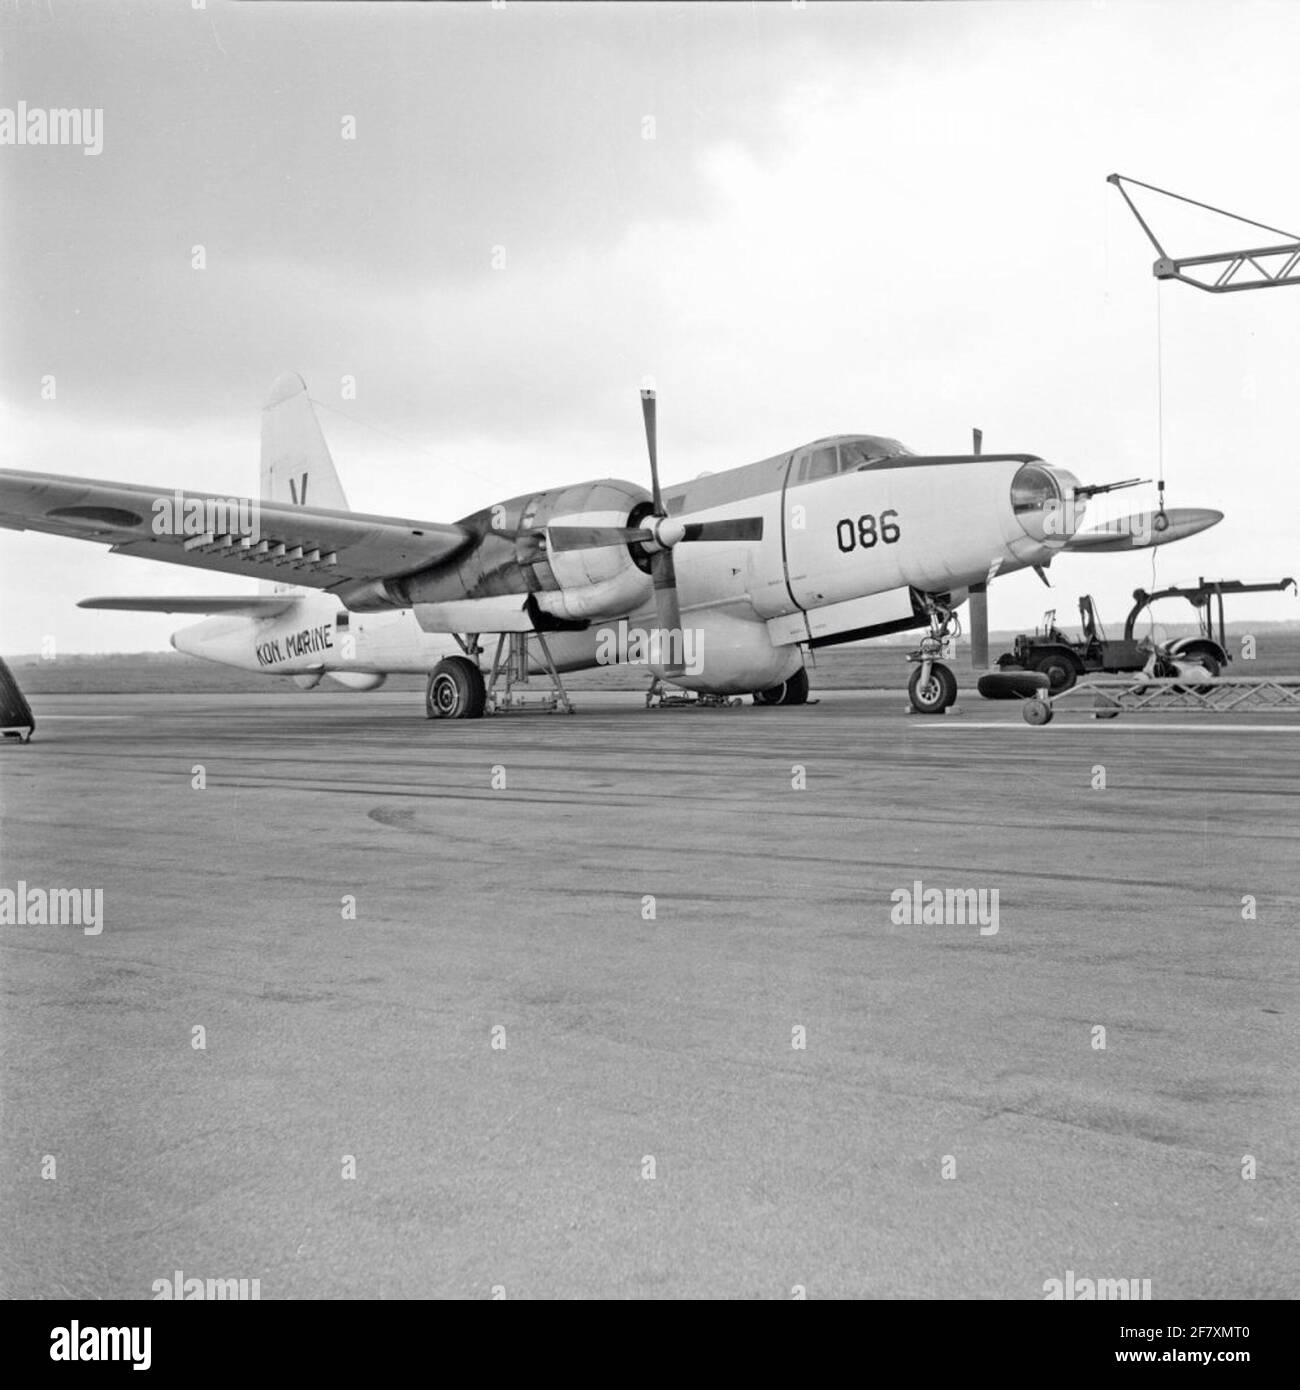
pixel 883 219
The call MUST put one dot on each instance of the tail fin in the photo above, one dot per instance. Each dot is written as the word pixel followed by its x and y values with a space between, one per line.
pixel 296 463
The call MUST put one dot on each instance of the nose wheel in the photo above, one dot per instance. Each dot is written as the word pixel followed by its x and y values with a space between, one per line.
pixel 932 687
pixel 932 694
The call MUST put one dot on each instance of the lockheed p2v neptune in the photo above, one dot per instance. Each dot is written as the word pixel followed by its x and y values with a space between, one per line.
pixel 846 538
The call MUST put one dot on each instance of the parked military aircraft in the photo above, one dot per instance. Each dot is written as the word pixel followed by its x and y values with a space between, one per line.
pixel 740 573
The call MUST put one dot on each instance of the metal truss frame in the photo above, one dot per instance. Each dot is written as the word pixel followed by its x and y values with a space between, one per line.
pixel 1259 268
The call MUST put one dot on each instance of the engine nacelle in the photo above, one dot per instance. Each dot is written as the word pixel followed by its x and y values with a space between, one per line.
pixel 603 582
pixel 511 556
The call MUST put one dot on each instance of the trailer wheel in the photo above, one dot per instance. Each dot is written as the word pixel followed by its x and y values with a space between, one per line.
pixel 936 694
pixel 455 690
pixel 1037 712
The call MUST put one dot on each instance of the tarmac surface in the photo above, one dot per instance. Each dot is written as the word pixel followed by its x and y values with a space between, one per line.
pixel 950 1129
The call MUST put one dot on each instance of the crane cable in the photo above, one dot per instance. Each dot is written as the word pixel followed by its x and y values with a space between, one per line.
pixel 1160 521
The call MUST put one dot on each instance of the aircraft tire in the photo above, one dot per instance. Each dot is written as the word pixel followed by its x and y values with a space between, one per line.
pixel 1012 685
pixel 1037 712
pixel 790 692
pixel 936 694
pixel 1059 670
pixel 455 690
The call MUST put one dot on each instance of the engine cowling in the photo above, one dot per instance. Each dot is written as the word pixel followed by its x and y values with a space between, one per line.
pixel 511 556
pixel 602 582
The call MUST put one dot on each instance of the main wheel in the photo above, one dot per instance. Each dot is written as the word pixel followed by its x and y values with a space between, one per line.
pixel 1059 670
pixel 790 692
pixel 935 695
pixel 455 690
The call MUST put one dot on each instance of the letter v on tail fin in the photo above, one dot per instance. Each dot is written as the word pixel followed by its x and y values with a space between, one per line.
pixel 296 463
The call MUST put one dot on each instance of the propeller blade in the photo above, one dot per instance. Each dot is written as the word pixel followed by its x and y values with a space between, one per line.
pixel 977 438
pixel 651 441
pixel 979 626
pixel 1144 529
pixel 668 612
pixel 672 532
pixel 594 537
pixel 740 528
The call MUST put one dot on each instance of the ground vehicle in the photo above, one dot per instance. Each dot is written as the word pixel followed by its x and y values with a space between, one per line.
pixel 1063 660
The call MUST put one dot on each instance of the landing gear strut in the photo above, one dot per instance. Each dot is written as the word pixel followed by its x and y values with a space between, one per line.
pixel 508 682
pixel 932 687
pixel 457 689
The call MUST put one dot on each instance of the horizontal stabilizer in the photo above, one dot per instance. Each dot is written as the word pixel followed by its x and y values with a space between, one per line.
pixel 244 605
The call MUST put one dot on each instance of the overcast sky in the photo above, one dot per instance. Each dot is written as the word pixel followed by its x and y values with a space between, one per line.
pixel 890 219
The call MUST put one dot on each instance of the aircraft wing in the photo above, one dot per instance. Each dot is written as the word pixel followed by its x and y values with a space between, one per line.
pixel 241 605
pixel 313 546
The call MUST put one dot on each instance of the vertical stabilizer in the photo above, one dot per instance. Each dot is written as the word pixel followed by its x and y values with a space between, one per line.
pixel 296 463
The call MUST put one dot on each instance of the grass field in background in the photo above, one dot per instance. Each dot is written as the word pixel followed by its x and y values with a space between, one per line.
pixel 871 667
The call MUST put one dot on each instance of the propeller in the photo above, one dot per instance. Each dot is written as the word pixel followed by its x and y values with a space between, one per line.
pixel 662 570
pixel 658 535
pixel 660 532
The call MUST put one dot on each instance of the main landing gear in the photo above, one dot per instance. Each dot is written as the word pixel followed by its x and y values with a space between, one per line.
pixel 932 686
pixel 457 689
pixel 790 692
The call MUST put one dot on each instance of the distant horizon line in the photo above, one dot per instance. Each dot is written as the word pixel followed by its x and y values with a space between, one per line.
pixel 1238 628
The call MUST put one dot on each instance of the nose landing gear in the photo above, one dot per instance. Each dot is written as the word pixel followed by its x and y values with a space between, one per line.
pixel 932 686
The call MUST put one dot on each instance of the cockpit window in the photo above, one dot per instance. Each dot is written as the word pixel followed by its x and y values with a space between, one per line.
pixel 821 463
pixel 860 453
pixel 825 460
